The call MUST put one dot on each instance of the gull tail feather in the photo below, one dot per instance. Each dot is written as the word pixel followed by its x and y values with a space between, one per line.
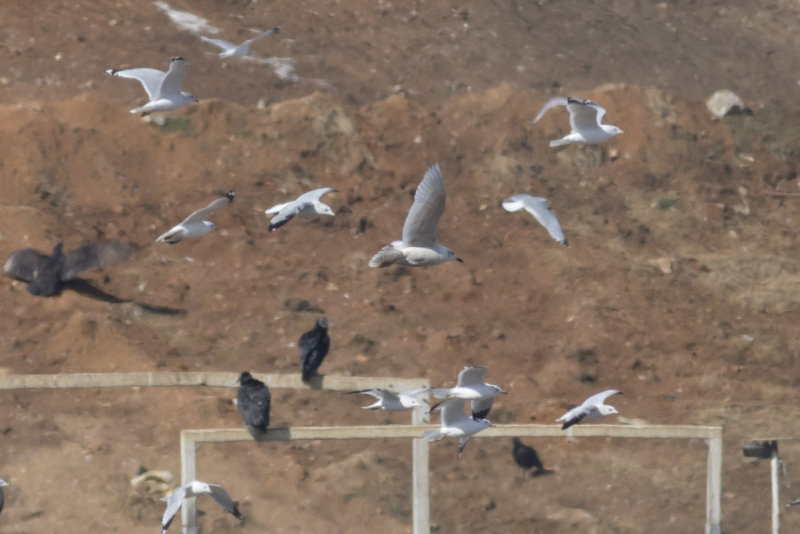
pixel 432 435
pixel 387 256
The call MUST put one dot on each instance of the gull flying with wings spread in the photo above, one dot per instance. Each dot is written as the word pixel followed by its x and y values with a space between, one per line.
pixel 471 387
pixel 592 408
pixel 585 118
pixel 195 224
pixel 537 206
pixel 306 205
pixel 456 423
pixel 194 489
pixel 418 246
pixel 391 401
pixel 163 88
pixel 230 49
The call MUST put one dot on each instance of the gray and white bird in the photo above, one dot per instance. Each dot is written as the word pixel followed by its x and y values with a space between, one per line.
pixel 793 503
pixel 195 489
pixel 455 423
pixel 47 273
pixel 3 484
pixel 391 401
pixel 313 347
pixel 418 247
pixel 591 408
pixel 306 205
pixel 537 206
pixel 231 50
pixel 471 387
pixel 253 401
pixel 585 118
pixel 163 88
pixel 195 224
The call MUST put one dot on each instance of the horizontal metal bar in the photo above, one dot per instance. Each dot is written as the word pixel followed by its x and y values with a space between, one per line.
pixel 415 431
pixel 212 379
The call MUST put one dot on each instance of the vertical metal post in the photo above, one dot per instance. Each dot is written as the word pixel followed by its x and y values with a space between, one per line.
pixel 188 474
pixel 714 485
pixel 775 464
pixel 420 459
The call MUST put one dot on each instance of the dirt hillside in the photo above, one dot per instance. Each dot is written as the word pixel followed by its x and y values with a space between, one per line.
pixel 679 287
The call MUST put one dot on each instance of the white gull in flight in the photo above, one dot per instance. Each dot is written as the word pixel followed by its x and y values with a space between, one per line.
pixel 592 408
pixel 306 205
pixel 195 224
pixel 419 246
pixel 456 423
pixel 584 118
pixel 231 50
pixel 537 206
pixel 163 88
pixel 391 401
pixel 194 489
pixel 470 386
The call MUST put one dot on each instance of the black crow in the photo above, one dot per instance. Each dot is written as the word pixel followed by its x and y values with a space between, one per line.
pixel 313 346
pixel 253 401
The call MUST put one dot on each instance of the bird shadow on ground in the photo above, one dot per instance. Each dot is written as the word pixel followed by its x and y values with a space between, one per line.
pixel 82 287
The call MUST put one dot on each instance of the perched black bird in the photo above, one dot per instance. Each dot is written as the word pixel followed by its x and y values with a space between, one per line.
pixel 314 346
pixel 47 272
pixel 526 458
pixel 253 400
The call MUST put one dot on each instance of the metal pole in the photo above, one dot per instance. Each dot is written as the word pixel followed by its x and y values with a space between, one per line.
pixel 420 458
pixel 775 464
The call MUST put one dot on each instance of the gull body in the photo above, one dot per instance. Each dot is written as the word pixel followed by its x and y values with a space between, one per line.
pixel 195 489
pixel 231 50
pixel 306 205
pixel 418 246
pixel 163 88
pixel 455 423
pixel 47 273
pixel 470 386
pixel 592 408
pixel 194 225
pixel 537 206
pixel 391 401
pixel 585 118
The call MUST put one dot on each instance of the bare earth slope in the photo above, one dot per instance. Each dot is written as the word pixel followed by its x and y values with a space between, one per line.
pixel 679 288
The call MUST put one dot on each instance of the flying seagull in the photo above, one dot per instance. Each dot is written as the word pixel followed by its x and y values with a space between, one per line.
pixel 163 88
pixel 418 246
pixel 194 225
pixel 796 501
pixel 391 401
pixel 313 346
pixel 46 272
pixel 471 387
pixel 195 489
pixel 592 408
pixel 456 423
pixel 527 458
pixel 306 205
pixel 3 484
pixel 537 206
pixel 230 49
pixel 253 401
pixel 584 118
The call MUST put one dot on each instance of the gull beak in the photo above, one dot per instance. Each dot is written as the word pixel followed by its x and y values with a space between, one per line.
pixel 194 100
pixel 459 260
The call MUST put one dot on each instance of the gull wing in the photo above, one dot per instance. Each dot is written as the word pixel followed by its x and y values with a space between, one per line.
pixel 378 393
pixel 24 263
pixel 224 45
pixel 584 114
pixel 287 212
pixel 315 195
pixel 174 501
pixel 452 411
pixel 222 498
pixel 149 78
pixel 260 36
pixel 218 204
pixel 553 102
pixel 480 407
pixel 414 392
pixel 172 81
pixel 94 255
pixel 419 229
pixel 472 376
pixel 600 398
pixel 537 206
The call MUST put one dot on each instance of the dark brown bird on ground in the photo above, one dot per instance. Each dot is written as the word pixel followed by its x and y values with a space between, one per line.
pixel 253 401
pixel 527 458
pixel 314 346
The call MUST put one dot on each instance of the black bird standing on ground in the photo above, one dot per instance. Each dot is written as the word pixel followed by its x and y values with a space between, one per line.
pixel 314 346
pixel 253 400
pixel 526 458
pixel 47 272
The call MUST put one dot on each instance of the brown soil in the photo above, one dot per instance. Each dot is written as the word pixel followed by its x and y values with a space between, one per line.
pixel 680 287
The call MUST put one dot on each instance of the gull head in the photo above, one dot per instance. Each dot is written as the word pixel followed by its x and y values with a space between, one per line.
pixel 324 209
pixel 605 409
pixel 449 255
pixel 3 483
pixel 410 402
pixel 613 130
